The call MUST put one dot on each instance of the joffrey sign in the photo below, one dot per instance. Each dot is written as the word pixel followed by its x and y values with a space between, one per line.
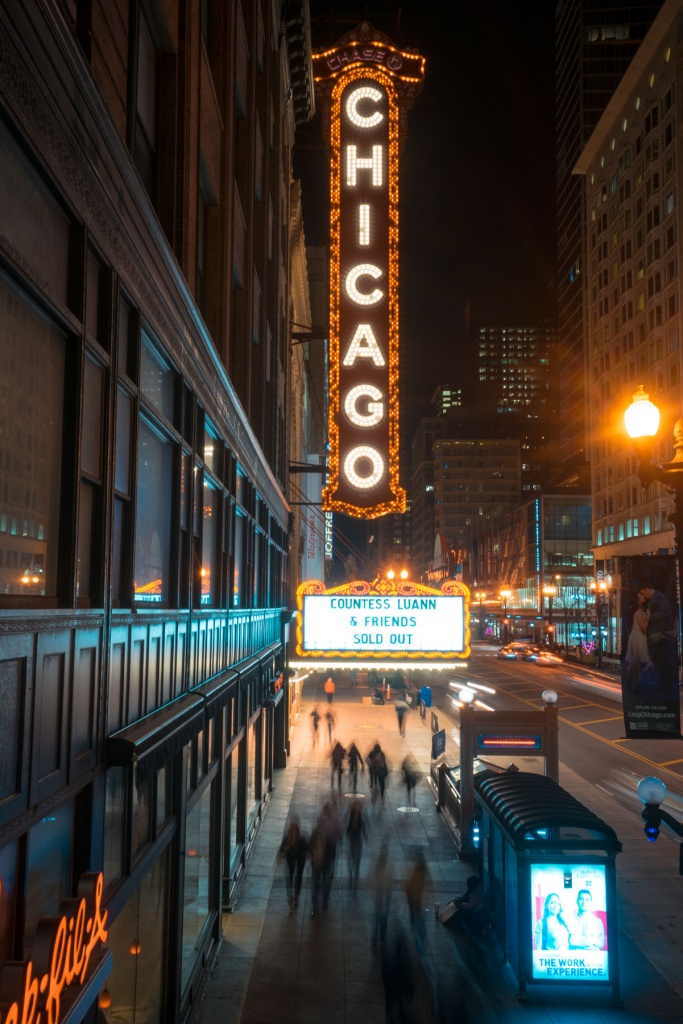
pixel 366 87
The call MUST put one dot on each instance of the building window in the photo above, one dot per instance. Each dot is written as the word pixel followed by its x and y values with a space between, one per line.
pixel 32 370
pixel 153 516
pixel 144 131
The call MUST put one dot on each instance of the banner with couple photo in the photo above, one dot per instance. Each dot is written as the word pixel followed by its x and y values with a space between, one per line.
pixel 650 647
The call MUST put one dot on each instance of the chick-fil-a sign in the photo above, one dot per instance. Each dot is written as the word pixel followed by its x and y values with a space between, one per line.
pixel 60 956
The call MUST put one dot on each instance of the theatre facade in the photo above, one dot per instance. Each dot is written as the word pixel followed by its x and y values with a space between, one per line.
pixel 146 196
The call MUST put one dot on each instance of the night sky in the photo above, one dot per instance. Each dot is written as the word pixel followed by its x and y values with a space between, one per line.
pixel 477 174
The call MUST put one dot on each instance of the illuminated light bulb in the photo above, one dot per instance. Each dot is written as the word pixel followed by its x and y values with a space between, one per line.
pixel 404 574
pixel 364 345
pixel 391 574
pixel 363 270
pixel 135 948
pixel 104 999
pixel 375 413
pixel 362 451
pixel 364 224
pixel 364 92
pixel 355 163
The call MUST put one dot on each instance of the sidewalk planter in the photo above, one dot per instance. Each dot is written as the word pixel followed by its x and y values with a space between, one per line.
pixel 547 865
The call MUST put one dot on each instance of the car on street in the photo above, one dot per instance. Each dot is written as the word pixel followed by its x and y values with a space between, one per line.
pixel 548 658
pixel 508 653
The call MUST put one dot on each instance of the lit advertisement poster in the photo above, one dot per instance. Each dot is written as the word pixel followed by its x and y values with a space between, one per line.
pixel 569 923
pixel 406 620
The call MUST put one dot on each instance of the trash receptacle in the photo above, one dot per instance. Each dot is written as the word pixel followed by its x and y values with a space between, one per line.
pixel 426 696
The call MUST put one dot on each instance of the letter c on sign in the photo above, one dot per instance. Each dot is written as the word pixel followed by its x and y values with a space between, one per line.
pixel 363 270
pixel 362 451
pixel 375 412
pixel 365 92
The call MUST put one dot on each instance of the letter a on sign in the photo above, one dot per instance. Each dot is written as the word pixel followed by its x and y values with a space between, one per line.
pixel 363 95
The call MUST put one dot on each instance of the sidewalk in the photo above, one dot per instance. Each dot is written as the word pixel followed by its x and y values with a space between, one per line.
pixel 278 967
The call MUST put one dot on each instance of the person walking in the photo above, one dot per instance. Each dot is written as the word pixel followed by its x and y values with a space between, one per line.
pixel 356 830
pixel 355 759
pixel 401 716
pixel 383 887
pixel 329 689
pixel 315 722
pixel 295 851
pixel 411 776
pixel 324 841
pixel 329 718
pixel 415 884
pixel 337 764
pixel 381 772
pixel 371 762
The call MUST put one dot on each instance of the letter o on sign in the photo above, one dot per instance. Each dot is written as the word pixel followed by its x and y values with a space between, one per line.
pixel 363 451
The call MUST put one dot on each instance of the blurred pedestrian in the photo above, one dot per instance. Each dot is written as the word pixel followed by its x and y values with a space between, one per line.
pixel 355 759
pixel 295 851
pixel 337 764
pixel 330 719
pixel 323 846
pixel 371 762
pixel 400 978
pixel 329 689
pixel 411 776
pixel 401 716
pixel 315 722
pixel 415 884
pixel 356 830
pixel 381 771
pixel 383 887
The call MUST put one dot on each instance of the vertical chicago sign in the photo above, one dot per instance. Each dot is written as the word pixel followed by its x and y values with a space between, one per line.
pixel 366 87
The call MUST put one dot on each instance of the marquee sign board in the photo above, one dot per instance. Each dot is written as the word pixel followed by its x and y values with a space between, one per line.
pixel 391 620
pixel 365 85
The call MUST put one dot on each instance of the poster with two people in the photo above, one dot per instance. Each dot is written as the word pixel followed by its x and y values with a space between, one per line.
pixel 569 923
pixel 649 647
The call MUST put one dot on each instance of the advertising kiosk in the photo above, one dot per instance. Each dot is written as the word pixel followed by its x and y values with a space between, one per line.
pixel 547 864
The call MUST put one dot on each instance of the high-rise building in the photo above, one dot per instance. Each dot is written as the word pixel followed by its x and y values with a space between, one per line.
pixel 631 169
pixel 596 41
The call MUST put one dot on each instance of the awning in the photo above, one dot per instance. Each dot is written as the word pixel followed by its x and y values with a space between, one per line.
pixel 156 738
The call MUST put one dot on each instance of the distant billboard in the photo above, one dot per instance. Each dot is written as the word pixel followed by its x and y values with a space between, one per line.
pixel 390 620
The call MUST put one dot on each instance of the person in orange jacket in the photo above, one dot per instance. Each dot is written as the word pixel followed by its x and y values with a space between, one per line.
pixel 329 689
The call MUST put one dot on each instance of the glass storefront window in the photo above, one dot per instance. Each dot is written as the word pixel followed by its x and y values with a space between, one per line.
pixel 8 895
pixel 233 771
pixel 196 894
pixel 32 359
pixel 237 581
pixel 141 829
pixel 114 825
pixel 48 868
pixel 153 518
pixel 136 939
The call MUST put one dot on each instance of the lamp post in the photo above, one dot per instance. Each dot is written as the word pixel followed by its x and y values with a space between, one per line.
pixel 550 592
pixel 652 791
pixel 480 596
pixel 504 596
pixel 599 588
pixel 642 423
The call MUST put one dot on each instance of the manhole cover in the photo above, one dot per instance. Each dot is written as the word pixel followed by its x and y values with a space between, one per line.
pixel 356 796
pixel 408 810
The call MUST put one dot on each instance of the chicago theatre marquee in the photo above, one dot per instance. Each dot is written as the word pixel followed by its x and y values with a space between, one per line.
pixel 365 87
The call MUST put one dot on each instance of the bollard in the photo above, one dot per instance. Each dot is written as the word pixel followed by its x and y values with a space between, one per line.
pixel 388 691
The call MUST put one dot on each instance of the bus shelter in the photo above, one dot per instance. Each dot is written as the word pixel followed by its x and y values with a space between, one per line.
pixel 547 865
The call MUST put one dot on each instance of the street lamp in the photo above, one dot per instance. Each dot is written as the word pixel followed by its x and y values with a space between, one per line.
pixel 642 423
pixel 550 592
pixel 599 588
pixel 480 596
pixel 504 596
pixel 652 791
